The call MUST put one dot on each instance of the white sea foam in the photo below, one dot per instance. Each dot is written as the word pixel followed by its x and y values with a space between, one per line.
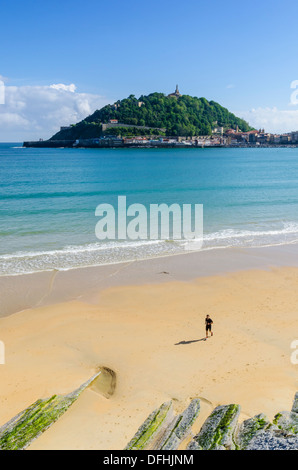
pixel 93 254
pixel 79 256
pixel 79 249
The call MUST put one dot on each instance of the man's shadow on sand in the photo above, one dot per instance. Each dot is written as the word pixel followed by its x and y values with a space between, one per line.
pixel 191 341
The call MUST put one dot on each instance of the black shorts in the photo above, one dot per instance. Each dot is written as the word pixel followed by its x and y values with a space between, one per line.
pixel 208 327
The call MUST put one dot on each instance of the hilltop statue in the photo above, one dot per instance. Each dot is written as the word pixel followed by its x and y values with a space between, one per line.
pixel 176 93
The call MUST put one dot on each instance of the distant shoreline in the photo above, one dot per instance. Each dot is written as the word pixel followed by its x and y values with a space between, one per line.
pixel 115 143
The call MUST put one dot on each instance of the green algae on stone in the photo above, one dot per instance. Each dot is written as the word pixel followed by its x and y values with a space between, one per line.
pixel 34 420
pixel 250 428
pixel 21 430
pixel 151 427
pixel 180 427
pixel 286 422
pixel 217 433
pixel 295 404
pixel 221 430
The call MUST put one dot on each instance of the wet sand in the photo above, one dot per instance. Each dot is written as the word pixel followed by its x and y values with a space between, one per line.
pixel 20 292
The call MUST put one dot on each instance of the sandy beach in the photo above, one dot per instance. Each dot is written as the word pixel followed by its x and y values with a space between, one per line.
pixel 145 321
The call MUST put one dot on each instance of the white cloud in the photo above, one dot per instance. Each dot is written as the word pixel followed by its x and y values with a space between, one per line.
pixel 14 119
pixel 33 112
pixel 60 86
pixel 273 120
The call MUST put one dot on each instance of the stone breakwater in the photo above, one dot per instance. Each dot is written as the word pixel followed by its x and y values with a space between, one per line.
pixel 163 429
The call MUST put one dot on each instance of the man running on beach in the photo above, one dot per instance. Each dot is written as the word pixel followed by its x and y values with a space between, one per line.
pixel 208 323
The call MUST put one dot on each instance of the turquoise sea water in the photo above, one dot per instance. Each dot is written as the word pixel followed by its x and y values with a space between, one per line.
pixel 48 199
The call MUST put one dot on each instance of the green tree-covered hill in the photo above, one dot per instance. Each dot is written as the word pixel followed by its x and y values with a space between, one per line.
pixel 177 115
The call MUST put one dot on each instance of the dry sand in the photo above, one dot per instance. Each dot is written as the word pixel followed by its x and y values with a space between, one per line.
pixel 151 335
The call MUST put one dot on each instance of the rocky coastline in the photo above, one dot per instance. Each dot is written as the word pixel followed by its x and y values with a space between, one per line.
pixel 163 429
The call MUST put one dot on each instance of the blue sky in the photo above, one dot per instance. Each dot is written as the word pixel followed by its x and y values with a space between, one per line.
pixel 240 55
